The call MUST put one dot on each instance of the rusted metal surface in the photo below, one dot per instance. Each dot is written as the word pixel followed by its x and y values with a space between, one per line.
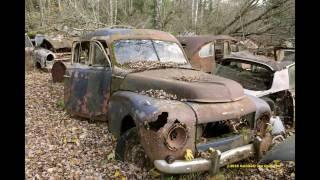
pixel 222 111
pixel 145 110
pixel 58 70
pixel 111 35
pixel 193 44
pixel 89 97
pixel 202 88
pixel 164 101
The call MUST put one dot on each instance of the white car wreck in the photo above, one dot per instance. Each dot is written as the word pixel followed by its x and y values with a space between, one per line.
pixel 264 78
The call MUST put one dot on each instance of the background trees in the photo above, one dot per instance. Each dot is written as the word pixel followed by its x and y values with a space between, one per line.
pixel 242 18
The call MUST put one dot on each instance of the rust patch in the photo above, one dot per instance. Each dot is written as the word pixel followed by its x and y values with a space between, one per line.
pixel 58 71
pixel 160 122
pixel 177 136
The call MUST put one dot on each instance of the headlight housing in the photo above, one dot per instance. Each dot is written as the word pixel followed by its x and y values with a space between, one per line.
pixel 176 137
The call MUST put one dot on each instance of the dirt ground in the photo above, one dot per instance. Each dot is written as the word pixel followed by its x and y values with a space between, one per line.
pixel 58 146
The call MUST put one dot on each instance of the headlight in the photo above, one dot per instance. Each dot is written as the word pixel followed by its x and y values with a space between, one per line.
pixel 176 137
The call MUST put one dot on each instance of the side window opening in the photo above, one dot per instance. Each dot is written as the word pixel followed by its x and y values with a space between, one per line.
pixel 227 48
pixel 207 50
pixel 99 58
pixel 81 53
pixel 250 76
pixel 219 49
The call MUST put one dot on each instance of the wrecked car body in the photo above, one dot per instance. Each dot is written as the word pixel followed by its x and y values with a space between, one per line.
pixel 49 50
pixel 160 109
pixel 264 78
pixel 205 51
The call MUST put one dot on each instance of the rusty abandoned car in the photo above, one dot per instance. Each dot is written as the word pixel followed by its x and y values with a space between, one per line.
pixel 161 110
pixel 47 50
pixel 204 51
pixel 264 78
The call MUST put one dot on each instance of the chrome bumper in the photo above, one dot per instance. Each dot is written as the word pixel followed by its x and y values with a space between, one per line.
pixel 218 160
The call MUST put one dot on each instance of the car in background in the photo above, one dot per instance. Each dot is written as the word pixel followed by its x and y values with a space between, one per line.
pixel 204 51
pixel 264 78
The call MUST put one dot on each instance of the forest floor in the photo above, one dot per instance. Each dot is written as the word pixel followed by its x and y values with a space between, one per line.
pixel 58 146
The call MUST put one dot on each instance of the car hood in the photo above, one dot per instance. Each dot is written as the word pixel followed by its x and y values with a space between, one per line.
pixel 186 84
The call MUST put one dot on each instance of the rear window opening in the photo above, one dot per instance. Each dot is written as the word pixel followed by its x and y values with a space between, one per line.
pixel 251 76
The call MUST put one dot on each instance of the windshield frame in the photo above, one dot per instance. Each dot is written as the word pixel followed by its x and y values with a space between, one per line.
pixel 114 59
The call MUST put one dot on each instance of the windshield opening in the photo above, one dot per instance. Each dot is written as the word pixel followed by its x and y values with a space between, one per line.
pixel 250 76
pixel 147 52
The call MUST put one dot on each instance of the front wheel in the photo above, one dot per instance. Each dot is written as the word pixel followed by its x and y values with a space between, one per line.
pixel 129 149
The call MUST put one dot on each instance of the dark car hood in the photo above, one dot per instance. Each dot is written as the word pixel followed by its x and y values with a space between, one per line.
pixel 187 84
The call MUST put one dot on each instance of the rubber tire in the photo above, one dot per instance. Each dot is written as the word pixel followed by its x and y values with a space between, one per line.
pixel 130 136
pixel 127 139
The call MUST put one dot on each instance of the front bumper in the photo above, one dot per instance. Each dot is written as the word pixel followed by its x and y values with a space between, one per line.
pixel 213 164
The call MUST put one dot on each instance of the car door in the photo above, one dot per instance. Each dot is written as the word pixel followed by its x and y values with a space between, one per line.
pixel 88 81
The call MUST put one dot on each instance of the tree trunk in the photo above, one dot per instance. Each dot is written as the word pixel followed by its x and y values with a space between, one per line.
pixel 49 7
pixel 98 11
pixel 59 6
pixel 41 13
pixel 192 14
pixel 246 8
pixel 115 11
pixel 261 16
pixel 202 5
pixel 157 20
pixel 111 12
pixel 196 15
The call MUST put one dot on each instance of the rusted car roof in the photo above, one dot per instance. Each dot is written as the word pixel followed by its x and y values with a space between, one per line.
pixel 249 57
pixel 111 35
pixel 193 43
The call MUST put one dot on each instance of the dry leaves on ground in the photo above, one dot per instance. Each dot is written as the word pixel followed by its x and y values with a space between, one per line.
pixel 62 147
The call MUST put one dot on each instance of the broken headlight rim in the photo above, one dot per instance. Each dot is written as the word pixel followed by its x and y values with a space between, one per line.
pixel 177 136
